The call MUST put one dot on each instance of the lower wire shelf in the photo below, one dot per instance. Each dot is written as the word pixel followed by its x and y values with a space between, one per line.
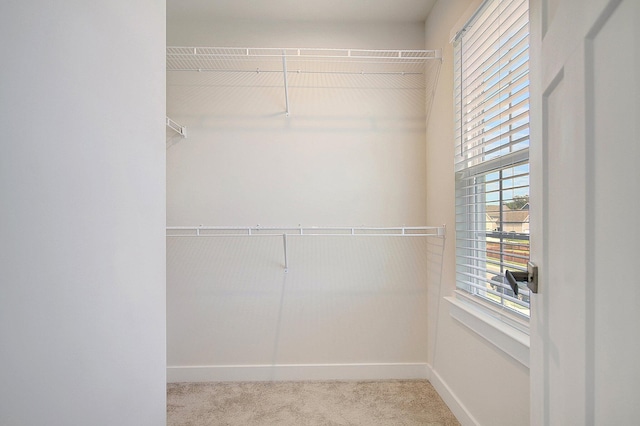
pixel 300 231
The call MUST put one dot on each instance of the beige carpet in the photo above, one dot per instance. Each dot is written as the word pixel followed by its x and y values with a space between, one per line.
pixel 397 402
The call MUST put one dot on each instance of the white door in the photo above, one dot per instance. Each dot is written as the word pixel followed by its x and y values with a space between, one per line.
pixel 585 215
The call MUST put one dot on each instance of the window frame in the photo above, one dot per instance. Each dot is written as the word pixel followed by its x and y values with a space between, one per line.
pixel 471 165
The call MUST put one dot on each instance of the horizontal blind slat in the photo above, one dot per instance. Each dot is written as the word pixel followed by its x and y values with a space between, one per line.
pixel 485 60
pixel 487 23
pixel 517 79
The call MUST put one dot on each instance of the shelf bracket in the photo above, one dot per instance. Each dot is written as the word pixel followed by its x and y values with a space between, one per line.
pixel 182 130
pixel 286 85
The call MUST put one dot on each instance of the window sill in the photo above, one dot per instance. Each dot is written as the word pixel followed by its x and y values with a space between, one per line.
pixel 505 337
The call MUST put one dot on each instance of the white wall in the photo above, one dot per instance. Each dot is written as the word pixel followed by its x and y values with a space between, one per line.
pixel 335 35
pixel 353 307
pixel 82 294
pixel 488 386
pixel 351 153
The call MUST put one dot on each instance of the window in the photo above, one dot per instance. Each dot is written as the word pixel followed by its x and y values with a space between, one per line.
pixel 492 153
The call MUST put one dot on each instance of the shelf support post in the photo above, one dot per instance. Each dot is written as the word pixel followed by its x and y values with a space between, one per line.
pixel 286 85
pixel 286 260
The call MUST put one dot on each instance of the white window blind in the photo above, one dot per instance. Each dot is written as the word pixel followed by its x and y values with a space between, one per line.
pixel 492 83
pixel 491 68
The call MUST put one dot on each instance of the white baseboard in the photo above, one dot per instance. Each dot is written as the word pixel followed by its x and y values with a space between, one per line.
pixel 296 372
pixel 455 405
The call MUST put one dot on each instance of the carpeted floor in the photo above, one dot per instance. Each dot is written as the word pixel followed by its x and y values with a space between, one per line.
pixel 370 403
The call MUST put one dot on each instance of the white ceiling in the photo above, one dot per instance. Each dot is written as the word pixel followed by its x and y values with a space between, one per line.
pixel 302 10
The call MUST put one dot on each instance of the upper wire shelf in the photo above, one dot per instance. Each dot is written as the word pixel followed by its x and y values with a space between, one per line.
pixel 299 60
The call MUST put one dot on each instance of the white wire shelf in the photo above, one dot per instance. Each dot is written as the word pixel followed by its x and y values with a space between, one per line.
pixel 293 61
pixel 300 231
pixel 299 60
pixel 248 231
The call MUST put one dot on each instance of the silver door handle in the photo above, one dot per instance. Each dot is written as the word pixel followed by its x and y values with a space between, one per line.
pixel 530 277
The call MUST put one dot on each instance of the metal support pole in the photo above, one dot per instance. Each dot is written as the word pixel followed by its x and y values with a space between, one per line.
pixel 286 261
pixel 286 85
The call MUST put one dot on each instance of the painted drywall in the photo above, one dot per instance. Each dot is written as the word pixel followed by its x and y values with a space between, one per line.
pixel 352 152
pixel 263 33
pixel 82 294
pixel 491 387
pixel 345 301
